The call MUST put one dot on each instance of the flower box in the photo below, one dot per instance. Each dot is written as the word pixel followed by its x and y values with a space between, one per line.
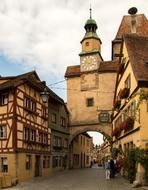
pixel 129 124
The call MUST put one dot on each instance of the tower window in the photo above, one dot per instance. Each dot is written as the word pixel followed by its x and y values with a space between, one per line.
pixel 87 43
pixel 89 102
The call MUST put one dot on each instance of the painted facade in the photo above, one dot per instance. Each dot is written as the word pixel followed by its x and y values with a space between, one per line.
pixel 130 114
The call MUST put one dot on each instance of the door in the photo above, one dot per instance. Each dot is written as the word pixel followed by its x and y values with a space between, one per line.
pixel 37 165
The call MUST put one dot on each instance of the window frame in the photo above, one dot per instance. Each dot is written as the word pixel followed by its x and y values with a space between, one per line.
pixel 3 169
pixel 3 131
pixel 4 97
pixel 90 102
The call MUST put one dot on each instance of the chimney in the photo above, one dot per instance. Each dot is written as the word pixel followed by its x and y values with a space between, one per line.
pixel 132 11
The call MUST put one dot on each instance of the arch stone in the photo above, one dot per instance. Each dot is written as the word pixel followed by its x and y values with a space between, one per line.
pixel 104 129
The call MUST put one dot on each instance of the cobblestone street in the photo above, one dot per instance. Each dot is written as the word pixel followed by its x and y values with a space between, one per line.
pixel 78 179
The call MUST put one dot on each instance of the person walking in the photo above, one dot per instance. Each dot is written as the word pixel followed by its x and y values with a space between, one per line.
pixel 107 168
pixel 112 168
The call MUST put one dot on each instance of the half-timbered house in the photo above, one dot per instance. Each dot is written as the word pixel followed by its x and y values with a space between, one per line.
pixel 24 131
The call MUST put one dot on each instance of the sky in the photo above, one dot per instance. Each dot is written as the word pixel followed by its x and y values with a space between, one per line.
pixel 45 35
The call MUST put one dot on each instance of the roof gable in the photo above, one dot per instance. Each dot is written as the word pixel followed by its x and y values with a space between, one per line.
pixel 125 26
pixel 137 48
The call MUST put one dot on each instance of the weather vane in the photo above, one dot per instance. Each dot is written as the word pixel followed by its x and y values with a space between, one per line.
pixel 90 11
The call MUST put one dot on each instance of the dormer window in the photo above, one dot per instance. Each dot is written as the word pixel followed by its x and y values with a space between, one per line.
pixel 128 81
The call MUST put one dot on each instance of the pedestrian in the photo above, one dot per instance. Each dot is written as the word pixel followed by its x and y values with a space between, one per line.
pixel 107 168
pixel 112 168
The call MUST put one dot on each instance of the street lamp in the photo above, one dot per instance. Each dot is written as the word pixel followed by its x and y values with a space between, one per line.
pixel 45 95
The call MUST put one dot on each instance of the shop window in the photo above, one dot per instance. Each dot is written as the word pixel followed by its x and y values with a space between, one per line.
pixel 28 162
pixel 4 164
pixel 3 130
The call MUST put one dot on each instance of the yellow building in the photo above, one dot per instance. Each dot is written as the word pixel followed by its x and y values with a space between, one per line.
pixel 24 131
pixel 81 151
pixel 131 99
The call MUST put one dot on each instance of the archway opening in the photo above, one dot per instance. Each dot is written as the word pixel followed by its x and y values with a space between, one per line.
pixel 88 148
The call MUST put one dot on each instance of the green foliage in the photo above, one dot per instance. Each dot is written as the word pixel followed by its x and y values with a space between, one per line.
pixel 131 165
pixel 142 158
pixel 115 152
pixel 132 157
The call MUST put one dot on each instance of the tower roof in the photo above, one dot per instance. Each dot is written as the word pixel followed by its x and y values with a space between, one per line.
pixel 90 23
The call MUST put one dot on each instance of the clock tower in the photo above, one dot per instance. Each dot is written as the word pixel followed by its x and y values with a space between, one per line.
pixel 90 55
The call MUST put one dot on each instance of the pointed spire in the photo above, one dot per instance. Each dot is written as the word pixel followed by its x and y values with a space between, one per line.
pixel 90 11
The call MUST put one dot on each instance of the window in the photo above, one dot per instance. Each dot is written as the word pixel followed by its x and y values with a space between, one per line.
pixel 28 162
pixel 26 102
pixel 87 43
pixel 53 118
pixel 128 81
pixel 3 131
pixel 45 138
pixel 44 111
pixel 40 137
pixel 63 122
pixel 30 104
pixel 32 135
pixel 57 141
pixel 89 102
pixel 65 143
pixel 26 134
pixel 4 99
pixel 4 164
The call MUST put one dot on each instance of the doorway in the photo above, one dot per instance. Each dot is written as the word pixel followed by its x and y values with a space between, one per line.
pixel 37 165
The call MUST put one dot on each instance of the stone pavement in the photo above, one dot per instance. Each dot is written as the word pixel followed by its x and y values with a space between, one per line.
pixel 77 179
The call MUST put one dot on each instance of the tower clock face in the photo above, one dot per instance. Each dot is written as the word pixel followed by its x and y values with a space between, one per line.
pixel 88 63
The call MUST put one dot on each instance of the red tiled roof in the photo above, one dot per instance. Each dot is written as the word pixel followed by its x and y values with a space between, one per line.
pixel 105 66
pixel 137 47
pixel 32 79
pixel 108 66
pixel 141 23
pixel 72 71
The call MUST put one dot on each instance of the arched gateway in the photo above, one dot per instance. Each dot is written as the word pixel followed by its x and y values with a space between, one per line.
pixel 90 87
pixel 104 129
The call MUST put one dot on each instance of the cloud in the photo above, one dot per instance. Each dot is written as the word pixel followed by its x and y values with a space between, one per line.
pixel 45 34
